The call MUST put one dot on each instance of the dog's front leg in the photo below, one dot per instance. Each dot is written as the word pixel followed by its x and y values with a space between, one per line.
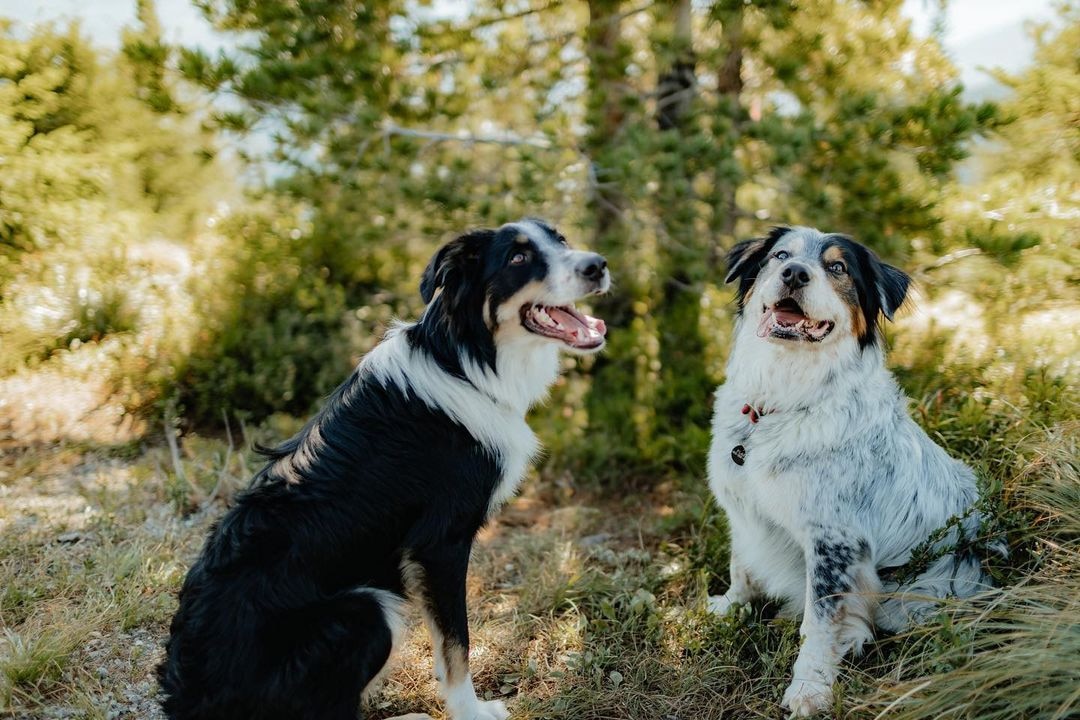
pixel 741 587
pixel 740 590
pixel 443 572
pixel 839 582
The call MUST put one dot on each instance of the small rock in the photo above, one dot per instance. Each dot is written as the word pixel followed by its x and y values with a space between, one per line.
pixel 597 539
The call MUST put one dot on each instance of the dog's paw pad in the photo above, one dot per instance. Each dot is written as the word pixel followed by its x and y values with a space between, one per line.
pixel 491 710
pixel 804 698
pixel 719 605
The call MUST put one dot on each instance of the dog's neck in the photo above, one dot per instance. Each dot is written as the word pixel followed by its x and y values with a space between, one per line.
pixel 525 370
pixel 785 378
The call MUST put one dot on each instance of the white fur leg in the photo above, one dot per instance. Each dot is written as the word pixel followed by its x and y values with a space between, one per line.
pixel 412 716
pixel 805 699
pixel 719 605
pixel 740 593
pixel 815 670
pixel 462 703
pixel 816 667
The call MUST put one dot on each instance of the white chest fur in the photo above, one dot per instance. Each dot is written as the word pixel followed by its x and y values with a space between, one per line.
pixel 491 406
pixel 812 404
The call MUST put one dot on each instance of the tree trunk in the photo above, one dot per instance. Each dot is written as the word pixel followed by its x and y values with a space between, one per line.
pixel 728 128
pixel 682 376
pixel 605 115
pixel 614 402
pixel 675 85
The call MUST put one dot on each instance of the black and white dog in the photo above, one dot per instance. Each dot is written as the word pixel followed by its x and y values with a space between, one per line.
pixel 825 479
pixel 294 606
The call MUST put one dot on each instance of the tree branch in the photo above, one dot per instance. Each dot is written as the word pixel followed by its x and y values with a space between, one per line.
pixel 390 129
pixel 948 259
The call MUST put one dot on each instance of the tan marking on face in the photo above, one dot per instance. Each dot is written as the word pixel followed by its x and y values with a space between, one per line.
pixel 511 307
pixel 521 238
pixel 844 288
pixel 833 254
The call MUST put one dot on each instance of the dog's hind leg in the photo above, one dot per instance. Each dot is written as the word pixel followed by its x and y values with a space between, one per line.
pixel 437 576
pixel 330 652
pixel 841 594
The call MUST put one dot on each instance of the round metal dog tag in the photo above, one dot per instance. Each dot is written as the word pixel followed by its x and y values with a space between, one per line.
pixel 738 454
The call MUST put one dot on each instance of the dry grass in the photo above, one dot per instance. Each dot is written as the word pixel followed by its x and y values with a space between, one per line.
pixel 1013 653
pixel 578 610
pixel 585 607
pixel 91 556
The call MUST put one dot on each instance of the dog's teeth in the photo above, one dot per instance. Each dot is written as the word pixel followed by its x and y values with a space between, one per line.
pixel 544 319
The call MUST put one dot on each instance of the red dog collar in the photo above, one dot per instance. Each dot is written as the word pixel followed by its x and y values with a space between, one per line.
pixel 754 413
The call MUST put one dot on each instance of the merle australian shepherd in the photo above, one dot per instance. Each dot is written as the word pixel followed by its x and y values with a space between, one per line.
pixel 828 485
pixel 294 605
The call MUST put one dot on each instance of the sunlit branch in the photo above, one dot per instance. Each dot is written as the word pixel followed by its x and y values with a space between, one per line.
pixel 949 259
pixel 390 129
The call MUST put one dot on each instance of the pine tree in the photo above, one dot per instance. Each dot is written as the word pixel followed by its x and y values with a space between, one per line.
pixel 664 132
pixel 90 171
pixel 829 113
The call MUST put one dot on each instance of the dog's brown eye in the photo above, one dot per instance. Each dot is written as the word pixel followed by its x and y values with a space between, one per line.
pixel 519 259
pixel 782 255
pixel 837 267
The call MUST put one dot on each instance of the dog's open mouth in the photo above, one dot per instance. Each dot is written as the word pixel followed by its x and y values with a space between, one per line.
pixel 565 323
pixel 787 321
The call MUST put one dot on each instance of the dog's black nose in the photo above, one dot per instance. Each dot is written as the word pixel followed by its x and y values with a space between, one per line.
pixel 592 267
pixel 795 276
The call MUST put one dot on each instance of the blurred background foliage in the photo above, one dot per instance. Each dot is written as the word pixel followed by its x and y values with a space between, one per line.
pixel 148 240
pixel 215 238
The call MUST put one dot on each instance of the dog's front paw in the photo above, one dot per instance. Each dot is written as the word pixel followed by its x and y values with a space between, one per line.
pixel 720 605
pixel 805 698
pixel 489 710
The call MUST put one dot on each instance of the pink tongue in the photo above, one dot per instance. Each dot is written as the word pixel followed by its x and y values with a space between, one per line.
pixel 778 317
pixel 766 323
pixel 576 331
pixel 566 321
pixel 787 317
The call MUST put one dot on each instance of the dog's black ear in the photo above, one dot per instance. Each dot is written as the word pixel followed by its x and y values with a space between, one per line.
pixel 882 287
pixel 434 276
pixel 451 263
pixel 745 259
pixel 892 286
